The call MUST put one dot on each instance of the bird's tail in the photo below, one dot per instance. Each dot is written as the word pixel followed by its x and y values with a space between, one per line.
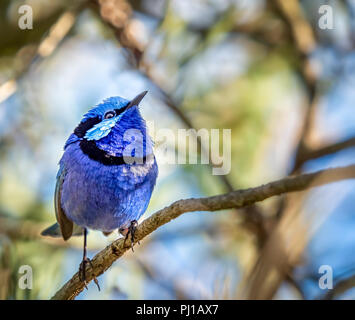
pixel 54 231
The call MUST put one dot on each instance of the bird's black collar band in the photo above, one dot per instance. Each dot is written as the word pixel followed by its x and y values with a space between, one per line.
pixel 94 153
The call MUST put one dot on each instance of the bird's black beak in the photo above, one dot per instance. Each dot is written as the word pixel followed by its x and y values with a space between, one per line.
pixel 137 99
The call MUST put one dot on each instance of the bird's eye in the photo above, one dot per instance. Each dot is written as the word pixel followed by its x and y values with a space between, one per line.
pixel 109 114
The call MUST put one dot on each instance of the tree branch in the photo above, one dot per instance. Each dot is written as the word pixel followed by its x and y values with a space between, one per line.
pixel 329 149
pixel 235 199
pixel 340 287
pixel 304 43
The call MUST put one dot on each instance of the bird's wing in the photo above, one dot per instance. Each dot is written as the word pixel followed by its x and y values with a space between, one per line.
pixel 66 225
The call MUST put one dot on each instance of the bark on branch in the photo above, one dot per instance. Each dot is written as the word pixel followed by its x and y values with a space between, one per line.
pixel 235 199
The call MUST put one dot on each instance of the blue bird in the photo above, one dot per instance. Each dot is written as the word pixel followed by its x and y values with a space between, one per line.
pixel 106 175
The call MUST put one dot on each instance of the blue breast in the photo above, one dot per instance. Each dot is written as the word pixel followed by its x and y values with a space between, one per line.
pixel 105 197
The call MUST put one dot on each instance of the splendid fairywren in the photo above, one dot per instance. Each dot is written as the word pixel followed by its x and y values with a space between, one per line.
pixel 107 173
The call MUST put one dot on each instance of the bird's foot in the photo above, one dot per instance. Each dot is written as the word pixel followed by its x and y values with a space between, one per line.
pixel 130 231
pixel 82 272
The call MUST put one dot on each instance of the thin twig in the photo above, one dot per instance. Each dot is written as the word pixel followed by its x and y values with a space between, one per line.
pixel 328 149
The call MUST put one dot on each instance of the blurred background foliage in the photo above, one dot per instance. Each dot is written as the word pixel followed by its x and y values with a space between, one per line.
pixel 262 68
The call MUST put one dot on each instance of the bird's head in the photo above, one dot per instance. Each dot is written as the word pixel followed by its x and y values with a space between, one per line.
pixel 112 125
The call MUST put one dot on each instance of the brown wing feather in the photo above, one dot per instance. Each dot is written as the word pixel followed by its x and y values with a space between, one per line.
pixel 66 225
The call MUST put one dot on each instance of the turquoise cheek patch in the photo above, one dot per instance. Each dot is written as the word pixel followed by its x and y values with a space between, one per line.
pixel 101 130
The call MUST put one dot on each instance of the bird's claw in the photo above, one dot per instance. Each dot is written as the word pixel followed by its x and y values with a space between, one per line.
pixel 131 231
pixel 82 272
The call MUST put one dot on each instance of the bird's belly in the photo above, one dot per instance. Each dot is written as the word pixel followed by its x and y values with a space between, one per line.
pixel 106 198
pixel 100 208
